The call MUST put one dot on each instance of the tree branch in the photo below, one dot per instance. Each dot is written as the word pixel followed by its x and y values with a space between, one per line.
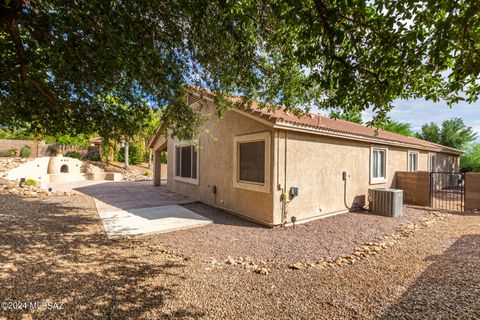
pixel 13 30
pixel 230 28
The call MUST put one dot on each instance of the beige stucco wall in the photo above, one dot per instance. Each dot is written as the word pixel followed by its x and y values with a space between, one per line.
pixel 447 163
pixel 216 168
pixel 315 164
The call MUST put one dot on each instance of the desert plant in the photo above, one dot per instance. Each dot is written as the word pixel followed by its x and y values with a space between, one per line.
pixel 31 182
pixel 25 152
pixel 12 152
pixel 73 154
pixel 147 173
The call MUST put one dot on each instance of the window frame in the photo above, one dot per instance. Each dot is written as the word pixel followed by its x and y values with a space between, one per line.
pixel 378 180
pixel 250 185
pixel 430 156
pixel 180 144
pixel 408 160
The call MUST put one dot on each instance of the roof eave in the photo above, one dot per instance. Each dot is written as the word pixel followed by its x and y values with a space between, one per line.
pixel 336 134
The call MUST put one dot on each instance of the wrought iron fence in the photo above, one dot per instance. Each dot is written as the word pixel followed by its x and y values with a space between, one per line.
pixel 447 191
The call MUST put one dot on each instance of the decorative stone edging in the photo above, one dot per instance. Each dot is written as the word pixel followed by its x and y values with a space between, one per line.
pixel 364 251
pixel 247 263
pixel 369 249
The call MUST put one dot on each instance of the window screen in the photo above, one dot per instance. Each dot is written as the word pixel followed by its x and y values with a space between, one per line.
pixel 412 162
pixel 177 161
pixel 186 162
pixel 194 163
pixel 433 162
pixel 379 164
pixel 252 161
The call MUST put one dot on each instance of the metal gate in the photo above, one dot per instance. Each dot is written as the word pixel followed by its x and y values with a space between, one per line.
pixel 447 191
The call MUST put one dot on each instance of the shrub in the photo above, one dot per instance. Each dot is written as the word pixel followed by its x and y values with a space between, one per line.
pixel 12 152
pixel 470 161
pixel 73 154
pixel 95 157
pixel 147 173
pixel 134 155
pixel 31 182
pixel 146 156
pixel 25 152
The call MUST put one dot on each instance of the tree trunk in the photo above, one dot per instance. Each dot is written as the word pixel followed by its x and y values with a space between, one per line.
pixel 126 154
pixel 149 158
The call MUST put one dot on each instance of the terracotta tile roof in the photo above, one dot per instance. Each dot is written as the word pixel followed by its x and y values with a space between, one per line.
pixel 279 116
pixel 96 140
pixel 322 123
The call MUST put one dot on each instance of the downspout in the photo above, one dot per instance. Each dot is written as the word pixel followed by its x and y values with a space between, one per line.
pixel 284 189
pixel 278 160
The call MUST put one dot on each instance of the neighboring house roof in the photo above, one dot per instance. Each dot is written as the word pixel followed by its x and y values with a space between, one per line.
pixel 317 124
pixel 96 140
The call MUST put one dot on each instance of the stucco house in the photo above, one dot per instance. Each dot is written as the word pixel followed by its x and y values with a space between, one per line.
pixel 271 166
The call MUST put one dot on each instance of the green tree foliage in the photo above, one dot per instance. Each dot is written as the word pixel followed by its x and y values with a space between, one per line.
pixel 345 54
pixel 456 134
pixel 16 134
pixel 122 120
pixel 57 58
pixel 81 140
pixel 27 134
pixel 126 123
pixel 352 115
pixel 163 157
pixel 453 133
pixel 430 132
pixel 399 127
pixel 470 161
pixel 135 155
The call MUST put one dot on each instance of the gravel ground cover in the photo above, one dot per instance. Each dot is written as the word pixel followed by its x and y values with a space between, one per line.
pixel 54 249
pixel 320 239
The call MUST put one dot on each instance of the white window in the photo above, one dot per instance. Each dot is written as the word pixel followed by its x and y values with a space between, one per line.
pixel 432 162
pixel 186 163
pixel 252 162
pixel 412 161
pixel 378 172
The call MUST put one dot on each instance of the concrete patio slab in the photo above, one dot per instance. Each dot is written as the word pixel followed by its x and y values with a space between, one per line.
pixel 115 196
pixel 150 220
pixel 134 208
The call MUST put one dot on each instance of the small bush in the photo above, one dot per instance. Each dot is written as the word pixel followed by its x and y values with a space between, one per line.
pixel 95 157
pixel 31 182
pixel 147 173
pixel 12 152
pixel 134 155
pixel 73 154
pixel 25 152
